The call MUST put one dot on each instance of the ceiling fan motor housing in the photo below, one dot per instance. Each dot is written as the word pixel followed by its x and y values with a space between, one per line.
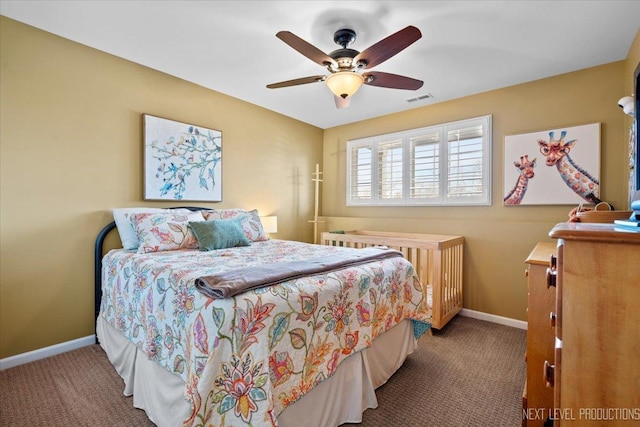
pixel 343 57
pixel 344 37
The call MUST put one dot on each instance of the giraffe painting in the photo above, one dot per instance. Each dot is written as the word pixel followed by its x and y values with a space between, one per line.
pixel 561 176
pixel 525 169
pixel 577 179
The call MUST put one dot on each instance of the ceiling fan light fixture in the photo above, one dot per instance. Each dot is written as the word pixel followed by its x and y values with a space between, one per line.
pixel 344 83
pixel 345 65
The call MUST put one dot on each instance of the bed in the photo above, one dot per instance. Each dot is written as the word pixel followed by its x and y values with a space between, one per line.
pixel 437 258
pixel 308 347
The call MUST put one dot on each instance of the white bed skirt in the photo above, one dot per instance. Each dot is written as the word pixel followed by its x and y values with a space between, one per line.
pixel 338 400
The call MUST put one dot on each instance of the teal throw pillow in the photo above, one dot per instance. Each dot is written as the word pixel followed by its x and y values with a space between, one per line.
pixel 219 234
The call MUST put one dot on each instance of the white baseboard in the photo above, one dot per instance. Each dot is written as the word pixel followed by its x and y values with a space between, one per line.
pixel 41 353
pixel 520 324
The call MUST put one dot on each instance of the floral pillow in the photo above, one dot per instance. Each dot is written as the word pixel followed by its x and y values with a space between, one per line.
pixel 250 221
pixel 165 231
pixel 122 218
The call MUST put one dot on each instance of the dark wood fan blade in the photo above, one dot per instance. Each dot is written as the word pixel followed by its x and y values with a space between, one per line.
pixel 394 81
pixel 388 47
pixel 306 48
pixel 342 102
pixel 295 82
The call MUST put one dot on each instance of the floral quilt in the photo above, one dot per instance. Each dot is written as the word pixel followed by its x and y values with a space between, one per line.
pixel 244 359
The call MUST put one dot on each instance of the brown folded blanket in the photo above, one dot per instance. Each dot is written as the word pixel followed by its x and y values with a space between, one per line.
pixel 232 282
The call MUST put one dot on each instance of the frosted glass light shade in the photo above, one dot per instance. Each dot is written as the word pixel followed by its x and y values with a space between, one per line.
pixel 344 83
pixel 269 223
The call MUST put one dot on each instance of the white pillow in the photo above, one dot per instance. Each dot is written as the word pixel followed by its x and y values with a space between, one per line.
pixel 122 217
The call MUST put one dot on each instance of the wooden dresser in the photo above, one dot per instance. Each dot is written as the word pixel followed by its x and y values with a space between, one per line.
pixel 595 372
pixel 537 399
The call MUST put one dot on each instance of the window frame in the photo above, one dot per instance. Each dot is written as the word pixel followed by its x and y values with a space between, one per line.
pixel 443 198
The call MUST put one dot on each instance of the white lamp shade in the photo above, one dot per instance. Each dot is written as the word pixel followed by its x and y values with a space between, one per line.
pixel 269 223
pixel 627 104
pixel 344 83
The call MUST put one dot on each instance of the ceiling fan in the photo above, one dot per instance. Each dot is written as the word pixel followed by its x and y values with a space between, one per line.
pixel 345 65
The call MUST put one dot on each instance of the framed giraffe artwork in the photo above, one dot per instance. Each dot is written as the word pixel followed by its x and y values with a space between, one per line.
pixel 553 167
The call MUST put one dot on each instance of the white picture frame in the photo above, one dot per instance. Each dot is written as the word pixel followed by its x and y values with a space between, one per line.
pixel 553 167
pixel 181 161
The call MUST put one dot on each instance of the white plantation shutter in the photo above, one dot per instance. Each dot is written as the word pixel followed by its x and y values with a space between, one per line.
pixel 447 164
pixel 465 162
pixel 360 173
pixel 425 166
pixel 390 175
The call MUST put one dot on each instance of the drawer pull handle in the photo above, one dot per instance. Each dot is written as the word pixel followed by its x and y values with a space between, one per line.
pixel 551 277
pixel 548 373
pixel 552 271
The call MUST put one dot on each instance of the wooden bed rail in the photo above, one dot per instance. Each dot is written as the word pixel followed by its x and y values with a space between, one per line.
pixel 437 259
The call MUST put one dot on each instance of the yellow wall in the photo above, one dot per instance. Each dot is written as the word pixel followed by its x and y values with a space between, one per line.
pixel 71 150
pixel 498 238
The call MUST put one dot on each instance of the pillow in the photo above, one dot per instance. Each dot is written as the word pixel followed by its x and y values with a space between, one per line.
pixel 127 234
pixel 122 218
pixel 211 214
pixel 251 224
pixel 165 231
pixel 219 234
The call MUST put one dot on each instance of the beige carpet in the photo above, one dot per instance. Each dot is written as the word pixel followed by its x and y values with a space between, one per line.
pixel 471 373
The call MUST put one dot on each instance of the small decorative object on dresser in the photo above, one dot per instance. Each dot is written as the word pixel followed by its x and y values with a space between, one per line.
pixel 602 212
pixel 633 222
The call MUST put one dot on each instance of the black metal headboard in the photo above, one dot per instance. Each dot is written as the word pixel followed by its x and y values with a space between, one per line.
pixel 98 257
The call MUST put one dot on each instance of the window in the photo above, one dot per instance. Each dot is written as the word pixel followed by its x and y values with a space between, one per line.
pixel 440 165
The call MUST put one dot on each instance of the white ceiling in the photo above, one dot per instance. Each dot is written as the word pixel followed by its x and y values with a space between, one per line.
pixel 466 47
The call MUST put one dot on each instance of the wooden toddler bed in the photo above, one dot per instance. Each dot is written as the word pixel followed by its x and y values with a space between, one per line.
pixel 436 258
pixel 312 347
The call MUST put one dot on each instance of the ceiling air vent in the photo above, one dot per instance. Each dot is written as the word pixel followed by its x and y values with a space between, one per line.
pixel 420 97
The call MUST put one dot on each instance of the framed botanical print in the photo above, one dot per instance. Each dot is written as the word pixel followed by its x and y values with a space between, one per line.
pixel 181 161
